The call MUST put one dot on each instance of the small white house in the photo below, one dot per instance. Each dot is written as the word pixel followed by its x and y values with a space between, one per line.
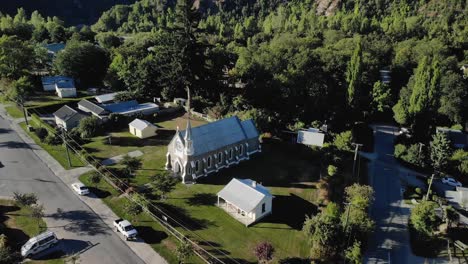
pixel 142 128
pixel 48 82
pixel 65 89
pixel 67 117
pixel 246 200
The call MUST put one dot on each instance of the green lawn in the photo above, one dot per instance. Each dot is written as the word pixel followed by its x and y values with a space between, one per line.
pixel 58 152
pixel 290 171
pixel 14 111
pixel 19 227
pixel 149 230
pixel 46 99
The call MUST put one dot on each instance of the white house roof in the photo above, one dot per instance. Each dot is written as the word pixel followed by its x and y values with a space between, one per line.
pixel 224 132
pixel 104 98
pixel 140 124
pixel 244 193
pixel 310 137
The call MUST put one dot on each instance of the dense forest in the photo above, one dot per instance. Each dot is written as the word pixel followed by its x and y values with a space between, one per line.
pixel 284 63
pixel 73 12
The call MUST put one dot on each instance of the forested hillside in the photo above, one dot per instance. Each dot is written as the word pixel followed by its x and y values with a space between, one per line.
pixel 73 12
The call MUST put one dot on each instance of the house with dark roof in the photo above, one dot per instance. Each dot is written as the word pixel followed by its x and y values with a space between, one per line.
pixel 246 200
pixel 199 151
pixel 67 117
pixel 93 108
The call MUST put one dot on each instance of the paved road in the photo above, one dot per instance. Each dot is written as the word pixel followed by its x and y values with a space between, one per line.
pixel 390 241
pixel 78 226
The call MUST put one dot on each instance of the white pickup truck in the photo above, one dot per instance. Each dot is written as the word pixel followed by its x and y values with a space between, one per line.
pixel 124 227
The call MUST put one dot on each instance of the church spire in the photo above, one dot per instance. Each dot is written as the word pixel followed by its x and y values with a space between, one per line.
pixel 188 131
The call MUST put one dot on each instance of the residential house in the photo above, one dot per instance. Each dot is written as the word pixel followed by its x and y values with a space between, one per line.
pixel 458 138
pixel 105 98
pixel 67 117
pixel 246 200
pixel 93 108
pixel 54 48
pixel 199 151
pixel 142 128
pixel 65 88
pixel 48 82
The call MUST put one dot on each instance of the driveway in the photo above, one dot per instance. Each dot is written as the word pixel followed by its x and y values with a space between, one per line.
pixel 390 241
pixel 80 229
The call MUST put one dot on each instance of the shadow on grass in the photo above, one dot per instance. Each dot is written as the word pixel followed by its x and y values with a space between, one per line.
pixel 162 138
pixel 81 222
pixel 290 210
pixel 202 199
pixel 294 260
pixel 101 194
pixel 183 217
pixel 151 236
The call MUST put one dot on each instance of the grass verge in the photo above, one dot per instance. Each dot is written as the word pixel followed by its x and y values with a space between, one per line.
pixel 14 111
pixel 58 152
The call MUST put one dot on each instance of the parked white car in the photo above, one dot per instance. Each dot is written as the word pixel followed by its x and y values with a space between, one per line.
pixel 124 227
pixel 39 243
pixel 451 181
pixel 80 188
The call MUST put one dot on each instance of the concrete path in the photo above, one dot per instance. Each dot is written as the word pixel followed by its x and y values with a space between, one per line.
pixel 71 224
pixel 117 159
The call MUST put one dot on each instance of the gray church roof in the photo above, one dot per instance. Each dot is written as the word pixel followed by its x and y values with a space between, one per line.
pixel 244 193
pixel 224 132
pixel 65 112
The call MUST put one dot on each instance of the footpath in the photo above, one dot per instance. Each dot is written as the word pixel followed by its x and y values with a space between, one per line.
pixel 141 249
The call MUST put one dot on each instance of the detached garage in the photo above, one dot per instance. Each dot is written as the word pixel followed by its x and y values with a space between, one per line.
pixel 142 128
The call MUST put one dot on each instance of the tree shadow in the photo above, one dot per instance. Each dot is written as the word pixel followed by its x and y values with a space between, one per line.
pixel 4 130
pixel 183 217
pixel 101 194
pixel 294 260
pixel 81 222
pixel 15 145
pixel 202 199
pixel 151 236
pixel 290 210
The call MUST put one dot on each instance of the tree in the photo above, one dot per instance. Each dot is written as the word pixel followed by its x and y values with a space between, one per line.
pixel 16 57
pixel 83 61
pixel 332 170
pixel 381 97
pixel 353 73
pixel 108 40
pixel 20 89
pixel 95 178
pixel 323 232
pixel 88 127
pixel 133 209
pixel 343 141
pixel 183 251
pixel 264 252
pixel 6 256
pixel 440 150
pixel 25 199
pixel 424 218
pixel 360 196
pixel 353 253
pixel 131 164
pixel 163 183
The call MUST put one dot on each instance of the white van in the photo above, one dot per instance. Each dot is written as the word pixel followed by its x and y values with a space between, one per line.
pixel 39 243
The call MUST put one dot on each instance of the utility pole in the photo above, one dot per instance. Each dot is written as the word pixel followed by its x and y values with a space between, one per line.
pixel 66 147
pixel 355 156
pixel 430 184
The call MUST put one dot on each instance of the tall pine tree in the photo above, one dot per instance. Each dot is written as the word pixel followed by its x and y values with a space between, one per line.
pixel 353 73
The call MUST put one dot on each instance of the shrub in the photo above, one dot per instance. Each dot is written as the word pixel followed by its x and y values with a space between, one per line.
pixel 53 140
pixel 25 199
pixel 343 141
pixel 332 170
pixel 418 191
pixel 41 133
pixel 264 252
pixel 88 127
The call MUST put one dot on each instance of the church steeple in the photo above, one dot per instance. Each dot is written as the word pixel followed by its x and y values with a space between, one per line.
pixel 188 132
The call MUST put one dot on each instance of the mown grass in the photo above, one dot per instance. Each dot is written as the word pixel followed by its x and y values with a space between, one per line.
pixel 14 111
pixel 58 152
pixel 152 232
